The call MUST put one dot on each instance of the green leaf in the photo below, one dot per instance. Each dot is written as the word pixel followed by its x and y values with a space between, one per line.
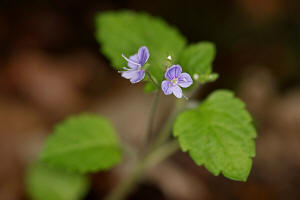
pixel 126 31
pixel 84 143
pixel 219 134
pixel 197 59
pixel 45 183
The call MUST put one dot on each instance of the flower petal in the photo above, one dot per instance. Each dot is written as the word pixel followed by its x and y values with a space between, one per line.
pixel 173 72
pixel 129 74
pixel 143 55
pixel 134 64
pixel 176 91
pixel 185 80
pixel 166 87
pixel 138 76
pixel 132 61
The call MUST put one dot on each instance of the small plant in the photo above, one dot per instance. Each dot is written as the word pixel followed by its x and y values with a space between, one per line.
pixel 217 133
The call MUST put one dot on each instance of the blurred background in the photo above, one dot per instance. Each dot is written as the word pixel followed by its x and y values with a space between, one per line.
pixel 51 67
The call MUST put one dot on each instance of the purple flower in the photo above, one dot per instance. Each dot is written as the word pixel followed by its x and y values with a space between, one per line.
pixel 175 79
pixel 135 63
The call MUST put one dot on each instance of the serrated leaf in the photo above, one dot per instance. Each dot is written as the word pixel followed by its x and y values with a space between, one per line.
pixel 219 135
pixel 197 58
pixel 126 31
pixel 84 143
pixel 45 183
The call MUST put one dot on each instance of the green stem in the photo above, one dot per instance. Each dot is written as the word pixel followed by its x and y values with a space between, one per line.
pixel 157 152
pixel 161 153
pixel 127 184
pixel 165 132
pixel 152 117
pixel 152 80
pixel 152 159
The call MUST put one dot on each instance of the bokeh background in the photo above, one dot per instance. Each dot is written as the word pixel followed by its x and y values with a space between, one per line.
pixel 51 67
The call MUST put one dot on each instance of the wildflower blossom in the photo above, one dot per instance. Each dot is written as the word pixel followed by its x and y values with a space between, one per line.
pixel 175 80
pixel 136 62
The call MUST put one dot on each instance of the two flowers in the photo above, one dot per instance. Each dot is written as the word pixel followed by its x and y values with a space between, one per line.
pixel 175 79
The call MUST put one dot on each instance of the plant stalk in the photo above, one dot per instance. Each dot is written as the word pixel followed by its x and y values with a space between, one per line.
pixel 151 159
pixel 149 133
pixel 158 151
pixel 152 79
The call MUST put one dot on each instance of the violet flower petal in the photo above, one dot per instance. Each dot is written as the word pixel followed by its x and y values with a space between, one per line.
pixel 185 80
pixel 176 91
pixel 173 72
pixel 134 72
pixel 143 55
pixel 129 74
pixel 138 76
pixel 135 59
pixel 132 61
pixel 166 87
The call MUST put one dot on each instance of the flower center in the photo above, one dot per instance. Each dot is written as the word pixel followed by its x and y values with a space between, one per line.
pixel 174 81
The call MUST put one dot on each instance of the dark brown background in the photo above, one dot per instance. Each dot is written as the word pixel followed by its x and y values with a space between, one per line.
pixel 50 67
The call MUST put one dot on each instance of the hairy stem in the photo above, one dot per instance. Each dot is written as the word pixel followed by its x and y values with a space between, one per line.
pixel 152 117
pixel 127 185
pixel 151 159
pixel 152 80
pixel 165 131
pixel 158 151
pixel 162 153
